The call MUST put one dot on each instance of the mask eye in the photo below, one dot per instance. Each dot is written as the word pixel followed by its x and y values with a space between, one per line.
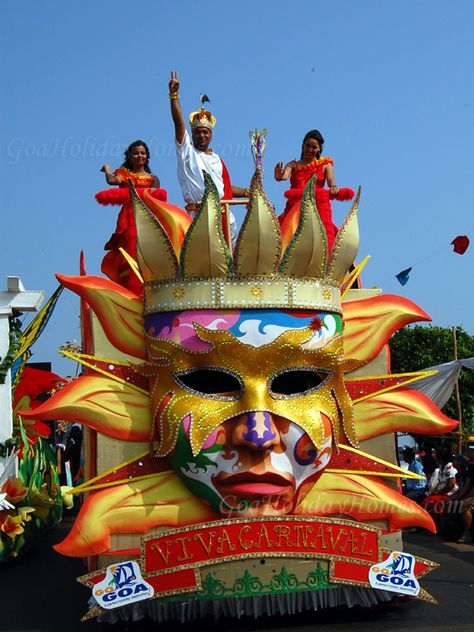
pixel 211 382
pixel 297 381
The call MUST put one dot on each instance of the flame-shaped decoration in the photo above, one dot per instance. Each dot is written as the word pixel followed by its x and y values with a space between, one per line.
pixel 306 254
pixel 205 252
pixel 258 248
pixel 155 252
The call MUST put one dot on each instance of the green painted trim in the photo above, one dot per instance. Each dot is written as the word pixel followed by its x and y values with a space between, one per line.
pixel 252 586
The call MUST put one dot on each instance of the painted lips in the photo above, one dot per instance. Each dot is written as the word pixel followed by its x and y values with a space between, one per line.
pixel 248 484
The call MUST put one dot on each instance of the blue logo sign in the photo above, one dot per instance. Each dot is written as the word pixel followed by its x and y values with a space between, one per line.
pixel 123 584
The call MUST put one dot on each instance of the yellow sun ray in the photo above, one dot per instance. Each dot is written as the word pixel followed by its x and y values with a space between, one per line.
pixel 87 360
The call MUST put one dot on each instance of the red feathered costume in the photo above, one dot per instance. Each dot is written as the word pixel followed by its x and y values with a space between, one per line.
pixel 114 264
pixel 298 180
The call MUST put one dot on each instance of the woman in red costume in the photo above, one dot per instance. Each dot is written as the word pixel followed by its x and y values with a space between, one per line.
pixel 135 168
pixel 300 172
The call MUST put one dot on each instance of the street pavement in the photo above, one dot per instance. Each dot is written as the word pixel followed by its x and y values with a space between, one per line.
pixel 39 594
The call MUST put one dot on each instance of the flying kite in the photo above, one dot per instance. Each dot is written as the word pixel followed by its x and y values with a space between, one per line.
pixel 403 276
pixel 460 244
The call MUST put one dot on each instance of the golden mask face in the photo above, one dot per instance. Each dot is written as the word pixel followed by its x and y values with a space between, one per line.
pixel 251 406
pixel 231 378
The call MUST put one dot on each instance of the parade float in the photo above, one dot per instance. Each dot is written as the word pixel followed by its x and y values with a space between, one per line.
pixel 241 419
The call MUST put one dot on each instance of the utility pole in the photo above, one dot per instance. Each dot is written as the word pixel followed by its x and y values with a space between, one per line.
pixel 456 390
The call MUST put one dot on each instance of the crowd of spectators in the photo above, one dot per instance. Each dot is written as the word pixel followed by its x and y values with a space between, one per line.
pixel 446 491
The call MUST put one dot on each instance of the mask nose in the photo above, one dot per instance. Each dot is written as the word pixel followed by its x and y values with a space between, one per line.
pixel 256 430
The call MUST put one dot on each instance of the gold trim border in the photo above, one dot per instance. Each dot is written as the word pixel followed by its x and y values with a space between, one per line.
pixel 244 293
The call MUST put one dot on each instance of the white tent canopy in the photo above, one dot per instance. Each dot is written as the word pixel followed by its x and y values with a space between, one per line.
pixel 439 387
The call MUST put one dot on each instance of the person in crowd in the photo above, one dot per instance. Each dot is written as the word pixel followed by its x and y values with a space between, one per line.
pixel 311 163
pixel 468 501
pixel 428 461
pixel 414 488
pixel 462 477
pixel 467 514
pixel 446 485
pixel 68 445
pixel 452 518
pixel 73 451
pixel 195 156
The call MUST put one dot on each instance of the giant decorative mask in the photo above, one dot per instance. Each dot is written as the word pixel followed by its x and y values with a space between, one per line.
pixel 247 401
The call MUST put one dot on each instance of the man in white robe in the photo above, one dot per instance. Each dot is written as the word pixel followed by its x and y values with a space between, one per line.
pixel 195 156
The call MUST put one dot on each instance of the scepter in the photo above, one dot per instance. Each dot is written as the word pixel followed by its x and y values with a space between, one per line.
pixel 259 144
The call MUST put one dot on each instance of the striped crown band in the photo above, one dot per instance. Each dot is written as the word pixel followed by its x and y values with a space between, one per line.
pixel 254 292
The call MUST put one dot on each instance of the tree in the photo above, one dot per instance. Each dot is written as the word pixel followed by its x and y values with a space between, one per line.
pixel 418 347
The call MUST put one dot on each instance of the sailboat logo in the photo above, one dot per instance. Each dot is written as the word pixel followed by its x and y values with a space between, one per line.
pixel 395 574
pixel 122 575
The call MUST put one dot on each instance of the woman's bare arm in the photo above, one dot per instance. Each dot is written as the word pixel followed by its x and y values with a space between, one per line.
pixel 110 177
pixel 329 173
pixel 283 173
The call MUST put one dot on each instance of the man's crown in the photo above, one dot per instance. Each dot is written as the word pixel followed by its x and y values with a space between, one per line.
pixel 202 118
pixel 191 266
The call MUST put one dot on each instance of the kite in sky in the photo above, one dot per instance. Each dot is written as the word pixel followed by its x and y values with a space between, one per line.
pixel 460 244
pixel 403 276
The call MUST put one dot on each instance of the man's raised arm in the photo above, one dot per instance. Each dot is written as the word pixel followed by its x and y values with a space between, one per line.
pixel 179 126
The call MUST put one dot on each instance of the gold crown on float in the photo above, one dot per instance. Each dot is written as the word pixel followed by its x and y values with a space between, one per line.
pixel 202 118
pixel 205 274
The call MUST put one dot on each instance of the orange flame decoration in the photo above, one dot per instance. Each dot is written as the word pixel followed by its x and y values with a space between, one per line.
pixel 116 407
pixel 174 220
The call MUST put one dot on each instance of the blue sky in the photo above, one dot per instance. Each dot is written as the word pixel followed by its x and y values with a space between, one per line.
pixel 389 84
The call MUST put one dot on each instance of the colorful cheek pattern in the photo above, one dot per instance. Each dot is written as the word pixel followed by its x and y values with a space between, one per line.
pixel 217 436
pixel 301 458
pixel 198 471
pixel 304 451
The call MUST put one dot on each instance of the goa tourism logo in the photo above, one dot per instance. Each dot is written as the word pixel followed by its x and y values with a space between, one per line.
pixel 396 574
pixel 123 584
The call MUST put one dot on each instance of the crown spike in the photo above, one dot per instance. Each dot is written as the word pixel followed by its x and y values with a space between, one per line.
pixel 155 253
pixel 258 247
pixel 306 253
pixel 346 245
pixel 205 252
